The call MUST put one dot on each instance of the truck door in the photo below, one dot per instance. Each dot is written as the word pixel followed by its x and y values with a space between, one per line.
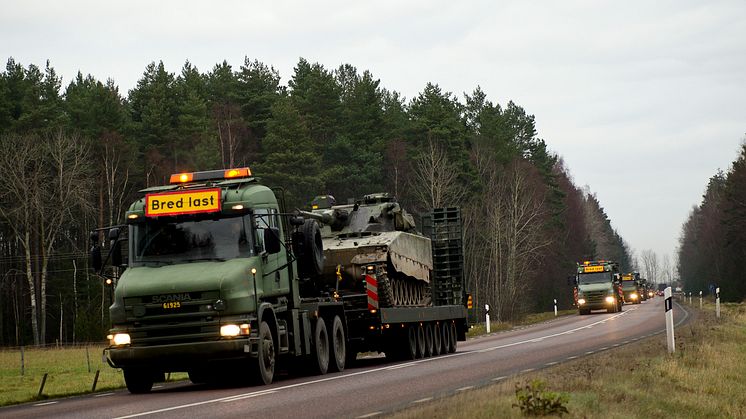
pixel 274 267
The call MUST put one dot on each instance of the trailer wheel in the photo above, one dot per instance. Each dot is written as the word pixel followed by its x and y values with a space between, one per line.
pixel 320 347
pixel 420 341
pixel 437 344
pixel 410 351
pixel 452 337
pixel 429 342
pixel 265 361
pixel 445 338
pixel 338 346
pixel 138 380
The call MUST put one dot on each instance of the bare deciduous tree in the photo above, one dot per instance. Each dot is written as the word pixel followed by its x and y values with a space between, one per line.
pixel 435 179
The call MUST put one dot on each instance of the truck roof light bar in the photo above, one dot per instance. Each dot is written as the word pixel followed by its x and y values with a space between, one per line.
pixel 210 175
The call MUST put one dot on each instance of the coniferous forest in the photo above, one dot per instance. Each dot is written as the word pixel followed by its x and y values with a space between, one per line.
pixel 74 154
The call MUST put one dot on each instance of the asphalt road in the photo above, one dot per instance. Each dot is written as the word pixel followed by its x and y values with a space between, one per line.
pixel 376 386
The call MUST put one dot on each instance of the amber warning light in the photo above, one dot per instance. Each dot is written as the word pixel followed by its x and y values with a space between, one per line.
pixel 176 203
pixel 210 175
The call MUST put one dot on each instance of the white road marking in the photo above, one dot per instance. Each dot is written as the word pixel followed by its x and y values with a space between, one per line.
pixel 549 364
pixel 103 395
pixel 45 404
pixel 369 415
pixel 465 388
pixel 158 386
pixel 615 345
pixel 604 348
pixel 590 352
pixel 426 399
pixel 397 367
pixel 528 370
pixel 248 396
pixel 499 378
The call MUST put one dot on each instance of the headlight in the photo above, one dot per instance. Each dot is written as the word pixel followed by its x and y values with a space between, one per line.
pixel 119 339
pixel 230 330
pixel 633 296
pixel 581 301
pixel 610 299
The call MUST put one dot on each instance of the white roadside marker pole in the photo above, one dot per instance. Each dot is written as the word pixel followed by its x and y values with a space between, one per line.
pixel 487 316
pixel 700 300
pixel 668 303
pixel 555 307
pixel 717 302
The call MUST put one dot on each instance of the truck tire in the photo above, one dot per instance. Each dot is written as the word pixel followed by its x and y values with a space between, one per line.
pixel 437 335
pixel 338 351
pixel 138 380
pixel 420 341
pixel 410 351
pixel 445 339
pixel 309 250
pixel 199 376
pixel 266 357
pixel 320 347
pixel 452 337
pixel 429 341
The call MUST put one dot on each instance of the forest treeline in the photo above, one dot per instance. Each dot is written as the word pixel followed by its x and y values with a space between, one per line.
pixel 73 159
pixel 712 245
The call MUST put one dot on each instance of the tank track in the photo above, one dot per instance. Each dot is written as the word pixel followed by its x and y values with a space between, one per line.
pixel 402 291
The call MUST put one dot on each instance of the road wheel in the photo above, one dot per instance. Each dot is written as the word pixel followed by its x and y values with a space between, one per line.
pixel 320 347
pixel 338 346
pixel 452 337
pixel 199 376
pixel 445 338
pixel 265 359
pixel 437 344
pixel 429 341
pixel 420 341
pixel 139 380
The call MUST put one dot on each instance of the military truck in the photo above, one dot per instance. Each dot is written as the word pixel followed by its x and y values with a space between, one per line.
pixel 598 287
pixel 633 288
pixel 220 281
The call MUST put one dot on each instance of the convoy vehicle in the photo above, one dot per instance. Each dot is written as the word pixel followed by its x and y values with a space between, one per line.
pixel 598 286
pixel 220 281
pixel 633 288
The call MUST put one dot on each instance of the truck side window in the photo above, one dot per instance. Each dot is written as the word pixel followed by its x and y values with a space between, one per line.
pixel 264 218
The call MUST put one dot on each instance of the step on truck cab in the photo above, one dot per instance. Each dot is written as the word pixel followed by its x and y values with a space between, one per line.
pixel 211 276
pixel 598 287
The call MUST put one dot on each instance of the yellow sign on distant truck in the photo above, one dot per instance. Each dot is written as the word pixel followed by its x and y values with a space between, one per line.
pixel 596 268
pixel 184 202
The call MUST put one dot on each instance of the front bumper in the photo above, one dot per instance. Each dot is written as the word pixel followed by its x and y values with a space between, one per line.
pixel 181 356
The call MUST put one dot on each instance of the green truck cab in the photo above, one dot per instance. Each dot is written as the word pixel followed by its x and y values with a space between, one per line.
pixel 598 287
pixel 215 284
pixel 634 288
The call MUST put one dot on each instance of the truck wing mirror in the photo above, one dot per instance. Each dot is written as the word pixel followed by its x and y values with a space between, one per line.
pixel 116 247
pixel 272 240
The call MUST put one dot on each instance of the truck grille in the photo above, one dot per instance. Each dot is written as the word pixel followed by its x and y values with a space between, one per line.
pixel 172 318
pixel 593 297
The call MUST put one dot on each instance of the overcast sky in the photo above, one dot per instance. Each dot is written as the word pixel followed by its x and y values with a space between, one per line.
pixel 644 100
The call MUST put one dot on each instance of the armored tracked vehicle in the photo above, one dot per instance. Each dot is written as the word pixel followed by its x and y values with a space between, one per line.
pixel 376 234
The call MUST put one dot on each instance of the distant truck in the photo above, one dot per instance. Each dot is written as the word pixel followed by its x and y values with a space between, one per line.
pixel 633 288
pixel 221 282
pixel 598 287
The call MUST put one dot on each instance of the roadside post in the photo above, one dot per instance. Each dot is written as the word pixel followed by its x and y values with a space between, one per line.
pixel 555 307
pixel 690 297
pixel 717 302
pixel 487 316
pixel 700 300
pixel 668 304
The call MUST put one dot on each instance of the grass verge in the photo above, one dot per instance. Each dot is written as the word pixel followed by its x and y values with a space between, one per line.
pixel 704 378
pixel 67 370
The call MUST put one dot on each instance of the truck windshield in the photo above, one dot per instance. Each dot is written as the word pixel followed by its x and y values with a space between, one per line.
pixel 167 241
pixel 594 278
pixel 629 285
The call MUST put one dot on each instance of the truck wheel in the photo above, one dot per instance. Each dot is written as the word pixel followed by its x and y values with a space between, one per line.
pixel 320 347
pixel 410 352
pixel 420 341
pixel 338 346
pixel 265 359
pixel 437 344
pixel 199 376
pixel 452 334
pixel 429 342
pixel 445 338
pixel 138 380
